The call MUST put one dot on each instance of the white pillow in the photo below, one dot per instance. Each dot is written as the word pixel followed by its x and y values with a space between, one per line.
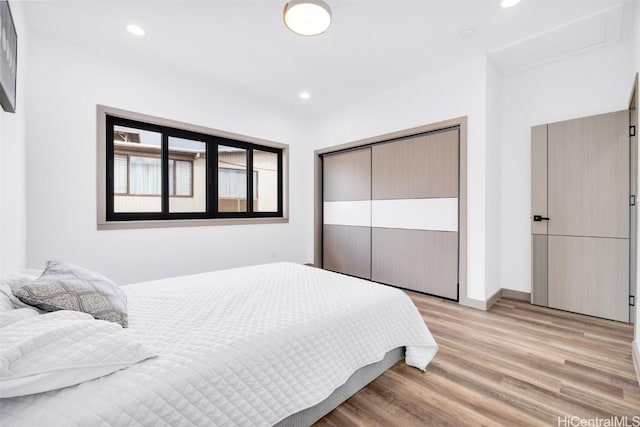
pixel 21 278
pixel 61 349
pixel 17 281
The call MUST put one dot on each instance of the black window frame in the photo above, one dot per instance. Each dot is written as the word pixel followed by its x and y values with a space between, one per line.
pixel 211 189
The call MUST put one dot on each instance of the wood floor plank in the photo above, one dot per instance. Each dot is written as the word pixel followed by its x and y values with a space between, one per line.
pixel 477 398
pixel 515 364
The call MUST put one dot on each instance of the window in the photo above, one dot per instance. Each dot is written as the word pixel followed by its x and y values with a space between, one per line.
pixel 157 172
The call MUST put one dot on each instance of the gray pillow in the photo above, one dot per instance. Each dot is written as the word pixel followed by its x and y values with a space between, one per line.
pixel 64 286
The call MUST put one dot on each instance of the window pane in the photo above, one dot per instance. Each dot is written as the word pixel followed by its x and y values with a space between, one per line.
pixel 265 181
pixel 232 183
pixel 232 179
pixel 171 192
pixel 187 175
pixel 120 174
pixel 184 173
pixel 137 174
pixel 145 175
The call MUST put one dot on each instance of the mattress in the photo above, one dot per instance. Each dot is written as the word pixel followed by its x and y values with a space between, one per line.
pixel 247 346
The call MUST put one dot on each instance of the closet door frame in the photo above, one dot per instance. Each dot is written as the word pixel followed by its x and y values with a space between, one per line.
pixel 461 124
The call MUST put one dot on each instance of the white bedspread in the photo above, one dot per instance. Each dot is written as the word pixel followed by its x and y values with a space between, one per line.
pixel 246 346
pixel 43 352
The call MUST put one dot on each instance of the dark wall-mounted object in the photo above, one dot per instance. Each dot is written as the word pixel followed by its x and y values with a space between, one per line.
pixel 8 58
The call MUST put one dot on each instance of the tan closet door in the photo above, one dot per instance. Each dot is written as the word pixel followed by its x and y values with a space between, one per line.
pixel 588 210
pixel 347 212
pixel 415 213
pixel 424 166
pixel 424 261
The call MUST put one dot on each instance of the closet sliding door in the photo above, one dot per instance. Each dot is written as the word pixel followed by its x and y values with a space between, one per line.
pixel 347 212
pixel 414 213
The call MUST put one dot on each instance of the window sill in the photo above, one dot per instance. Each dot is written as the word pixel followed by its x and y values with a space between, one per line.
pixel 128 225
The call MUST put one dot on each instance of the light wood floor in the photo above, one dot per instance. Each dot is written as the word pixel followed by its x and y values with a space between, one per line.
pixel 516 364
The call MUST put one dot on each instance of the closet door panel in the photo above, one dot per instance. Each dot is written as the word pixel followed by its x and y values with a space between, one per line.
pixel 347 249
pixel 425 261
pixel 347 176
pixel 424 166
pixel 414 213
pixel 347 212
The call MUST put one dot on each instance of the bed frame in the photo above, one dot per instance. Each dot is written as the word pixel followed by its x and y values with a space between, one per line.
pixel 356 381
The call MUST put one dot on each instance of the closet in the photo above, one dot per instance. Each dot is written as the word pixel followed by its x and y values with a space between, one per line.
pixel 391 212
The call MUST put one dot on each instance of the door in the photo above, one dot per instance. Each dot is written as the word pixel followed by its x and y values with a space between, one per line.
pixel 633 183
pixel 346 231
pixel 415 213
pixel 580 213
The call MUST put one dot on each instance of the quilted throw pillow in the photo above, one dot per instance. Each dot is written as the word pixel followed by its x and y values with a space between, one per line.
pixel 64 286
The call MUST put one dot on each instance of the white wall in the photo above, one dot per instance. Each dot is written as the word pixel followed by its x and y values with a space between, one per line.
pixel 13 178
pixel 595 83
pixel 459 91
pixel 66 83
pixel 493 187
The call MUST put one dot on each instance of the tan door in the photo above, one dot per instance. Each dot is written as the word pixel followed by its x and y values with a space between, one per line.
pixel 347 212
pixel 581 237
pixel 414 237
pixel 633 183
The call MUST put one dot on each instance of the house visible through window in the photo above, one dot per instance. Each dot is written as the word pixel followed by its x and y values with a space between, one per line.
pixel 135 175
pixel 157 172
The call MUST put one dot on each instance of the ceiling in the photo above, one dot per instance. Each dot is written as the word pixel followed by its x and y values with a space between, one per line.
pixel 371 46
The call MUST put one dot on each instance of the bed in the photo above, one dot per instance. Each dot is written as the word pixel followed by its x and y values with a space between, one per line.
pixel 274 344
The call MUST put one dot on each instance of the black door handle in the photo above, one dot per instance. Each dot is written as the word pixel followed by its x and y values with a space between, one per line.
pixel 539 218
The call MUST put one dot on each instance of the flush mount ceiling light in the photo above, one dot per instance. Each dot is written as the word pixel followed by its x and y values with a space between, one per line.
pixel 135 30
pixel 509 3
pixel 307 17
pixel 304 95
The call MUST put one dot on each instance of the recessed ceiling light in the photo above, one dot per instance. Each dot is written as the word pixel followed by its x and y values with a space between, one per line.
pixel 466 34
pixel 307 17
pixel 509 3
pixel 135 29
pixel 304 95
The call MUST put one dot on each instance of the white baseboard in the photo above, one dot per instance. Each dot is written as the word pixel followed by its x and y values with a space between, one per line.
pixel 473 303
pixel 636 358
pixel 486 305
